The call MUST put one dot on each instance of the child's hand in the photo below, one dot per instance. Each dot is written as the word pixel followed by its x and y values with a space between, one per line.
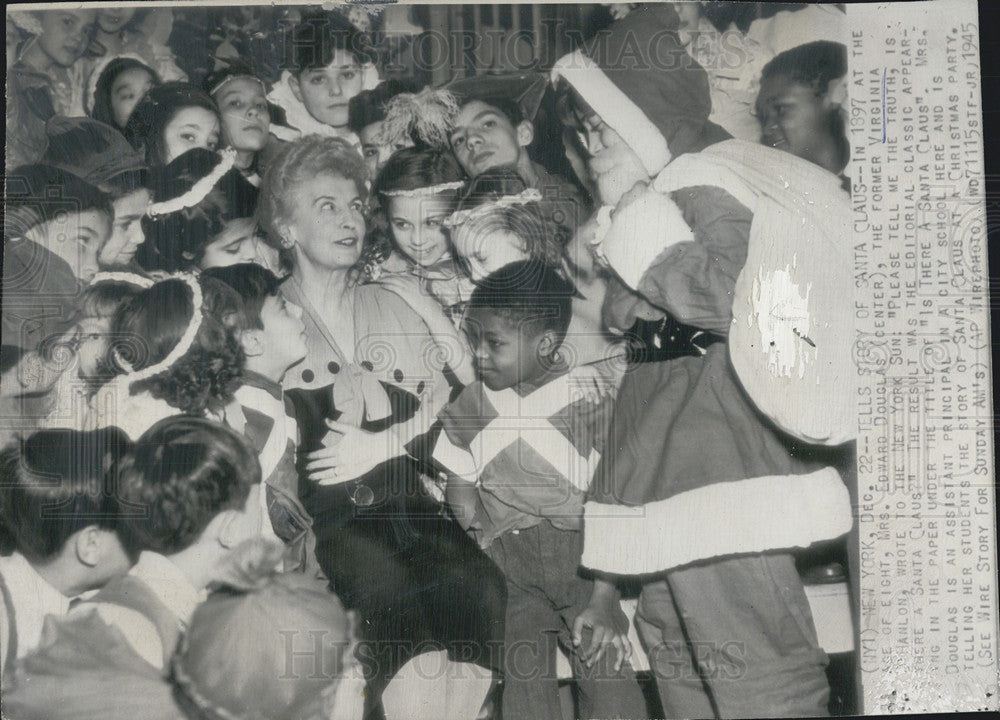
pixel 350 452
pixel 603 616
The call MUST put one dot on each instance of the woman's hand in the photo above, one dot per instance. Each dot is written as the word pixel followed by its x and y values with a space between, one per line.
pixel 441 329
pixel 349 452
pixel 603 616
pixel 424 304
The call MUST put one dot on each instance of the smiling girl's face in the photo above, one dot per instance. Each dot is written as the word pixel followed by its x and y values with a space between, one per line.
pixel 416 226
pixel 127 89
pixel 191 127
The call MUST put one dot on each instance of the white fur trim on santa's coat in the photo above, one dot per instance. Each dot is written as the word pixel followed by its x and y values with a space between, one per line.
pixel 731 518
pixel 615 108
pixel 640 232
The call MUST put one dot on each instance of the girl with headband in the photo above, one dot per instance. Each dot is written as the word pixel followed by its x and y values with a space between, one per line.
pixel 246 117
pixel 202 216
pixel 174 352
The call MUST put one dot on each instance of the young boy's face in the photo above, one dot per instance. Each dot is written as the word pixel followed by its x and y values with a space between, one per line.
pixel 485 138
pixel 486 251
pixel 65 34
pixel 613 164
pixel 376 150
pixel 506 354
pixel 245 117
pixel 793 118
pixel 284 333
pixel 326 91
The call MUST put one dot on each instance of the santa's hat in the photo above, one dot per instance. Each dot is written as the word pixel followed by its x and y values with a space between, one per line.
pixel 637 76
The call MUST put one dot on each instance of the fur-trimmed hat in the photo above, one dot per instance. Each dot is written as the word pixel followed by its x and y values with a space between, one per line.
pixel 638 77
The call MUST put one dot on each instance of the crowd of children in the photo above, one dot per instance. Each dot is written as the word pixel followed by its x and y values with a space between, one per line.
pixel 311 376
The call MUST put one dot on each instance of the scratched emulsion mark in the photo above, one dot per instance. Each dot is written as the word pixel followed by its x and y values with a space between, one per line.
pixel 781 311
pixel 883 106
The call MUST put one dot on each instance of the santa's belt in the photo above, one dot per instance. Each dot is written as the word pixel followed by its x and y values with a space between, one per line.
pixel 666 339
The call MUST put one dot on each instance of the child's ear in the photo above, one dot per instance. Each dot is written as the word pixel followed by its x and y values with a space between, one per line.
pixel 836 93
pixel 252 342
pixel 228 529
pixel 548 344
pixel 525 133
pixel 87 545
pixel 293 83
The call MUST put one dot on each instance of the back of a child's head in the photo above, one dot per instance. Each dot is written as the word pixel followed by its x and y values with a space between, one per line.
pixel 528 294
pixel 813 64
pixel 234 657
pixel 147 328
pixel 182 473
pixel 152 114
pixel 312 43
pixel 415 168
pixel 36 194
pixel 57 482
pixel 103 298
pixel 253 283
pixel 176 241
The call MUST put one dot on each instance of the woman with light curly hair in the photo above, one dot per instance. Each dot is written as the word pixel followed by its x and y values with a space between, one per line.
pixel 365 398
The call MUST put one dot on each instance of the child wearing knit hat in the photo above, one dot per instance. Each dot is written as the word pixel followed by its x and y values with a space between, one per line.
pixel 722 609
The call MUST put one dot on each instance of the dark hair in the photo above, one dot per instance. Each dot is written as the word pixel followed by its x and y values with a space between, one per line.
pixel 311 44
pixel 56 483
pixel 413 168
pixel 36 194
pixel 296 161
pixel 570 106
pixel 148 326
pixel 510 109
pixel 491 185
pixel 816 65
pixel 102 91
pixel 183 472
pixel 253 283
pixel 176 241
pixel 368 106
pixel 154 112
pixel 528 293
pixel 102 299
